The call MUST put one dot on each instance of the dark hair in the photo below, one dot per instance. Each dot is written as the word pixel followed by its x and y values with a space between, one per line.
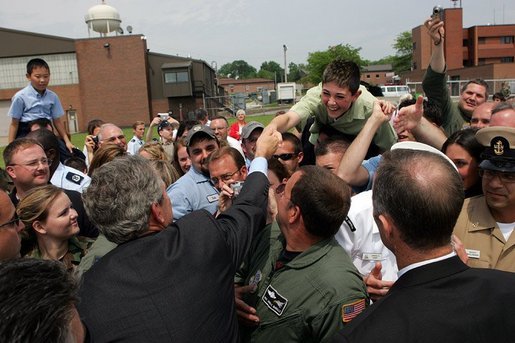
pixel 294 140
pixel 227 150
pixel 323 198
pixel 500 96
pixel 279 169
pixel 344 73
pixel 466 138
pixel 180 142
pixel 93 124
pixel 36 63
pixel 200 114
pixel 422 193
pixel 48 141
pixel 37 298
pixel 186 125
pixel 42 123
pixel 332 144
pixel 479 82
pixel 76 163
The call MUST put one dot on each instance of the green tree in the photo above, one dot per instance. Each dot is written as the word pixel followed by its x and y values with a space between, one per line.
pixel 238 69
pixel 318 60
pixel 296 72
pixel 271 70
pixel 404 52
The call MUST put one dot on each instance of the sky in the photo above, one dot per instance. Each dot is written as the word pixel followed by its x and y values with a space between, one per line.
pixel 221 31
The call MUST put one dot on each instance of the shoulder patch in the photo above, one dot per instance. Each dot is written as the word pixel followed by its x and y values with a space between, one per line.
pixel 75 178
pixel 350 311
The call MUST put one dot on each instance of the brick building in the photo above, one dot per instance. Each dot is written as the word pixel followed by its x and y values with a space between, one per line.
pixel 485 51
pixel 380 74
pixel 233 86
pixel 114 78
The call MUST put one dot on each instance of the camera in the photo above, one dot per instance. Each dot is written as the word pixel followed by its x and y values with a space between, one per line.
pixel 95 140
pixel 236 188
pixel 163 116
pixel 437 13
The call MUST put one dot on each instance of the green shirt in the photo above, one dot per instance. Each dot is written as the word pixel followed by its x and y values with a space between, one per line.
pixel 77 248
pixel 435 88
pixel 304 300
pixel 351 122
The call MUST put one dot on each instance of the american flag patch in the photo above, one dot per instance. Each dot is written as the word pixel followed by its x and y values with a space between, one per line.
pixel 350 311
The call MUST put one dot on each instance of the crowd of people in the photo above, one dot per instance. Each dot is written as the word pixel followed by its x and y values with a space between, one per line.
pixel 377 221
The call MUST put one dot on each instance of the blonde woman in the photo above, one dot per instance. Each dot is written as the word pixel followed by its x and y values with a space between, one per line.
pixel 153 151
pixel 51 226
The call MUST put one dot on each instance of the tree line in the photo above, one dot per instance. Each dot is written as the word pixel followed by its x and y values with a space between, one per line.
pixel 318 60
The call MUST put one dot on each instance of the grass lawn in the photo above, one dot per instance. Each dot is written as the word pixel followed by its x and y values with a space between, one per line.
pixel 78 138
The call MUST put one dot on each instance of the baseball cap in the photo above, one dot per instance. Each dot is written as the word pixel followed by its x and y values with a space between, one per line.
pixel 163 124
pixel 199 129
pixel 422 147
pixel 251 126
pixel 499 142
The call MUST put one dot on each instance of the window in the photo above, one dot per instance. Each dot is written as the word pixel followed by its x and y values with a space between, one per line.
pixel 481 40
pixel 377 76
pixel 368 76
pixel 508 59
pixel 481 61
pixel 176 77
pixel 414 46
pixel 465 42
pixel 507 40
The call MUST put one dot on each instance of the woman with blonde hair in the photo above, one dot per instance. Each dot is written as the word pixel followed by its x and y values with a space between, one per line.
pixel 166 171
pixel 51 226
pixel 153 151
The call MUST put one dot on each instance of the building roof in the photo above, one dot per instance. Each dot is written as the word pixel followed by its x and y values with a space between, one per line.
pixel 378 67
pixel 230 81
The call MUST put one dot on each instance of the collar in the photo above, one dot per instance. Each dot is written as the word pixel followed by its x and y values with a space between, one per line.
pixel 309 256
pixel 198 177
pixel 423 263
pixel 35 92
pixel 479 214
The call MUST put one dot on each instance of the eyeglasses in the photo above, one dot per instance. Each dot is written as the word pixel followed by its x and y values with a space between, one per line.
pixel 15 220
pixel 33 164
pixel 223 178
pixel 490 174
pixel 285 157
pixel 114 138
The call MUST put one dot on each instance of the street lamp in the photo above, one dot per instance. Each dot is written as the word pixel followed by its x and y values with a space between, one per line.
pixel 285 71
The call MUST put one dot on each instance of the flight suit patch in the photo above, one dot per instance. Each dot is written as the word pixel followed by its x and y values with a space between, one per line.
pixel 350 311
pixel 274 301
pixel 75 178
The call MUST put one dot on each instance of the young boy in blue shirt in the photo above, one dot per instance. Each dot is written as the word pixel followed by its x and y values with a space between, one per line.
pixel 36 101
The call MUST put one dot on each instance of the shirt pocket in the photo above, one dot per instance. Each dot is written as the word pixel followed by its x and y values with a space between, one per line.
pixel 286 328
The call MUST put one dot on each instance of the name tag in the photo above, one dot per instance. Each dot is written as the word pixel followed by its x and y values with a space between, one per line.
pixel 212 198
pixel 473 253
pixel 370 256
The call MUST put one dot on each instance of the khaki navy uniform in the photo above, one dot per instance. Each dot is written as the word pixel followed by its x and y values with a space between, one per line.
pixel 482 238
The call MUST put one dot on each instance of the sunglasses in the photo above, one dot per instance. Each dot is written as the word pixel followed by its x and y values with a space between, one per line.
pixel 285 157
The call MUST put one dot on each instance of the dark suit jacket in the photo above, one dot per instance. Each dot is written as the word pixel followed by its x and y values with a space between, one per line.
pixel 445 301
pixel 176 285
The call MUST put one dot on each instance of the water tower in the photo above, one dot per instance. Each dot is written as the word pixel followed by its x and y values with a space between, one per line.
pixel 103 19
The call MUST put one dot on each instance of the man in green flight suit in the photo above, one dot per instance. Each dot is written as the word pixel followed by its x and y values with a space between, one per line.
pixel 298 284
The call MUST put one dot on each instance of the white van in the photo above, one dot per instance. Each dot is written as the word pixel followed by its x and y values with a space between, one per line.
pixel 394 90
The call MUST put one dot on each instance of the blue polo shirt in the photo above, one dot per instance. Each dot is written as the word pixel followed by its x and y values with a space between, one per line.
pixel 28 104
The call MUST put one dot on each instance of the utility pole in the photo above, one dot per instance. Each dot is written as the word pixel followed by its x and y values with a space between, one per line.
pixel 285 66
